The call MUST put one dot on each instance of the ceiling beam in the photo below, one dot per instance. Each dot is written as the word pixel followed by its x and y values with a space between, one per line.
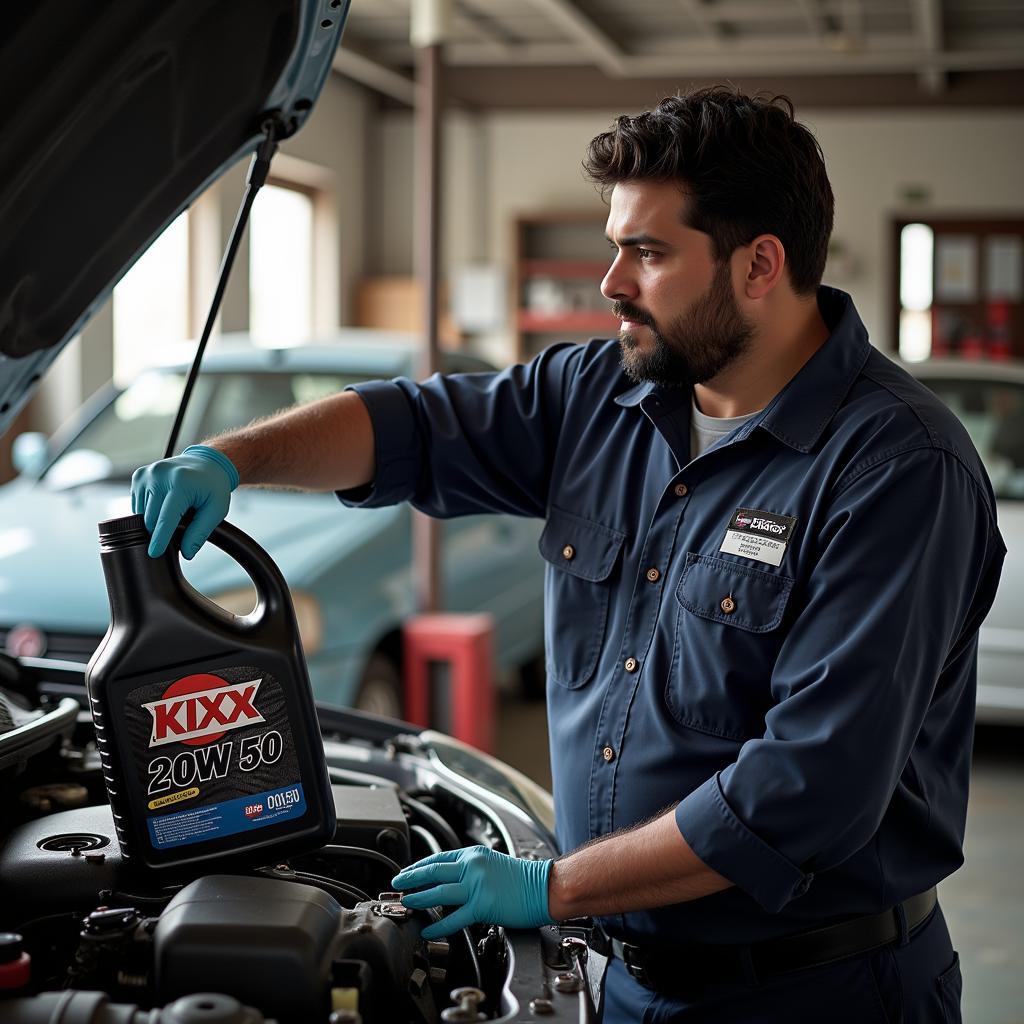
pixel 487 26
pixel 564 53
pixel 745 57
pixel 705 25
pixel 368 71
pixel 826 61
pixel 788 45
pixel 604 49
pixel 735 52
pixel 928 17
pixel 494 88
pixel 751 11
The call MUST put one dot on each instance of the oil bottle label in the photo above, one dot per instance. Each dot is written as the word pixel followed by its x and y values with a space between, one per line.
pixel 214 753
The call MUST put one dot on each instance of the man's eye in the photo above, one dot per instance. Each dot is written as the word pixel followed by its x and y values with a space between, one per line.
pixel 646 254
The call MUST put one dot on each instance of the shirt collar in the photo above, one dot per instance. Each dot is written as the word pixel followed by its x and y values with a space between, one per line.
pixel 799 413
pixel 634 395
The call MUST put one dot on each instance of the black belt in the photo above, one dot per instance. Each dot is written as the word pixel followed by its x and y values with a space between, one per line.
pixel 689 969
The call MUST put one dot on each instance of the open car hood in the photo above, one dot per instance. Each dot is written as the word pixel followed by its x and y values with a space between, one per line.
pixel 115 117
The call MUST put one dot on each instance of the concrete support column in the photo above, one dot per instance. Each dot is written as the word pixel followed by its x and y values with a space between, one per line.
pixel 430 24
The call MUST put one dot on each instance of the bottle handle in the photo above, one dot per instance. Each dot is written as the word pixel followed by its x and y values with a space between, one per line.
pixel 273 599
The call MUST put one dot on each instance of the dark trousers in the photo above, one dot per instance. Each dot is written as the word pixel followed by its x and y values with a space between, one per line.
pixel 916 981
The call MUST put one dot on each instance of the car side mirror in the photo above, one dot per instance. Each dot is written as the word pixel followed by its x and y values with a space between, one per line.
pixel 28 453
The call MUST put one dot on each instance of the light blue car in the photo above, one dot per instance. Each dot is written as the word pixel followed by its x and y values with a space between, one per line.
pixel 349 569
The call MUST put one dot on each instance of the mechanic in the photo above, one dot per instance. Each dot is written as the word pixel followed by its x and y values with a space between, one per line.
pixel 769 552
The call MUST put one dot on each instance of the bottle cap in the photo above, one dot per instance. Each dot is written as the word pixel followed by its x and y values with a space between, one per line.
pixel 121 525
pixel 125 531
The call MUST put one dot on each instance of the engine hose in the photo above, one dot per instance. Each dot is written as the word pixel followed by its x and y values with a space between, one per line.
pixel 346 889
pixel 427 838
pixel 358 853
pixel 329 884
pixel 434 819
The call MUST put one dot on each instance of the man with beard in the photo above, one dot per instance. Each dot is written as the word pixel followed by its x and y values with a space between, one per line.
pixel 769 552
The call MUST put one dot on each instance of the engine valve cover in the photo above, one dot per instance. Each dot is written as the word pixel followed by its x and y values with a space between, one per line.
pixel 266 942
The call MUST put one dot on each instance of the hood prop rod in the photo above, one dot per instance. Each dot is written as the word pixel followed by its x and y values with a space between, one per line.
pixel 273 129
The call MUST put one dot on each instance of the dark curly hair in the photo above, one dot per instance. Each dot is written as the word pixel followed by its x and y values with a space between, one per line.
pixel 745 164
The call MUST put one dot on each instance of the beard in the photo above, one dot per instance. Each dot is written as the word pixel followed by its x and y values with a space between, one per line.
pixel 695 346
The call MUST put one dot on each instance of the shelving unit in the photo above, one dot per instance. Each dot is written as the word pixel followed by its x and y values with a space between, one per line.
pixel 560 258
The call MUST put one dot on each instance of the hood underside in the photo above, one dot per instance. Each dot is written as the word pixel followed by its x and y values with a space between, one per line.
pixel 115 117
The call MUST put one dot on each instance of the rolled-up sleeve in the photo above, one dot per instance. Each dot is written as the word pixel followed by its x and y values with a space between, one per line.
pixel 468 443
pixel 907 561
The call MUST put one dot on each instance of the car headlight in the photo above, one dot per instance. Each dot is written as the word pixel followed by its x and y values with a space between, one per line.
pixel 242 600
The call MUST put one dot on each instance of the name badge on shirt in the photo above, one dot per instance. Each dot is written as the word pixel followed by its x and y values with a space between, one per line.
pixel 762 536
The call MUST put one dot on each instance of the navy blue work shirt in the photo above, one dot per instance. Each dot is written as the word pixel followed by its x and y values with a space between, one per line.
pixel 779 636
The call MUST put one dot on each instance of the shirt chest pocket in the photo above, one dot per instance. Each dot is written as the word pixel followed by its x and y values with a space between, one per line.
pixel 581 556
pixel 727 638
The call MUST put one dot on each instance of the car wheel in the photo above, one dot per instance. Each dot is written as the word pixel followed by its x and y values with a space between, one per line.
pixel 380 691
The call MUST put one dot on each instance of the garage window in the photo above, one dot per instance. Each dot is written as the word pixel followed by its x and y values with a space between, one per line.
pixel 151 304
pixel 281 266
pixel 916 256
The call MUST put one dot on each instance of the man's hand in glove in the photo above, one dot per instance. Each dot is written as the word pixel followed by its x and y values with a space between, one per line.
pixel 487 887
pixel 201 478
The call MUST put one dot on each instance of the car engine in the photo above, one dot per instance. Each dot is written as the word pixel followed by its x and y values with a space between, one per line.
pixel 89 938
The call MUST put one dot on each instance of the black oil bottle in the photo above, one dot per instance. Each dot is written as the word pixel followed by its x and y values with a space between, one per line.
pixel 204 720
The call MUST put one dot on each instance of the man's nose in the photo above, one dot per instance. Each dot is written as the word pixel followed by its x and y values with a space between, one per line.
pixel 618 285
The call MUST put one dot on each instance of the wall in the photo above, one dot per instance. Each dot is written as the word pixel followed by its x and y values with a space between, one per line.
pixel 466 181
pixel 969 161
pixel 335 138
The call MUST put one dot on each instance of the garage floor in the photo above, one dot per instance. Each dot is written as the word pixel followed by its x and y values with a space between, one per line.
pixel 982 901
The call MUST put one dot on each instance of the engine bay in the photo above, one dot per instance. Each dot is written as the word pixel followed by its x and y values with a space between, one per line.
pixel 86 936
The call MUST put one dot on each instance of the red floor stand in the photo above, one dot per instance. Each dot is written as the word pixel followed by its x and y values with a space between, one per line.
pixel 449 676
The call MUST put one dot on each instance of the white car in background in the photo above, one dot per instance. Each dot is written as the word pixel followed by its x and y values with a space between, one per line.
pixel 989 400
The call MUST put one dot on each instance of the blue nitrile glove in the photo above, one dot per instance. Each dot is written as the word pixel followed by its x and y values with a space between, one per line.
pixel 201 478
pixel 486 886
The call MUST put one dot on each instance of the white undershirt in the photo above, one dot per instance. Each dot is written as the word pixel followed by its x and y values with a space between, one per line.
pixel 706 430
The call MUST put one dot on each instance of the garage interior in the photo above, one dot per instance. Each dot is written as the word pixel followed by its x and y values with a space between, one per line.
pixel 491 245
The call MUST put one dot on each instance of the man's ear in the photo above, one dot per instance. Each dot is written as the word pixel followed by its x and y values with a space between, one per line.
pixel 765 259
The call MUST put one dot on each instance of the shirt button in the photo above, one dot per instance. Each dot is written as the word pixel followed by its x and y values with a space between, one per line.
pixel 568 552
pixel 631 664
pixel 608 754
pixel 653 575
pixel 728 605
pixel 681 490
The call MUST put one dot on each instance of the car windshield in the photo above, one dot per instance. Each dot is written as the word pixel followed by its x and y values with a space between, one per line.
pixel 133 429
pixel 993 413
